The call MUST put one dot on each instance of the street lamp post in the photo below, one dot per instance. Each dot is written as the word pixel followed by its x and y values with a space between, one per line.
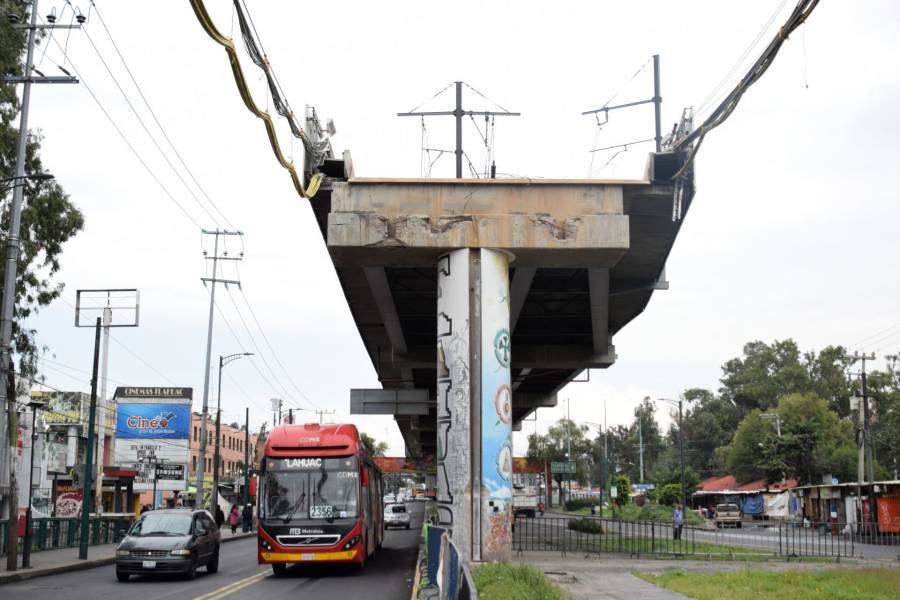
pixel 223 360
pixel 35 405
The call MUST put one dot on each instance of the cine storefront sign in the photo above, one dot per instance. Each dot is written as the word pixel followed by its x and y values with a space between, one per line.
pixel 153 435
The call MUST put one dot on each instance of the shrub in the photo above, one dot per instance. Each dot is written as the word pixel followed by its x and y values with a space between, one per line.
pixel 586 526
pixel 577 503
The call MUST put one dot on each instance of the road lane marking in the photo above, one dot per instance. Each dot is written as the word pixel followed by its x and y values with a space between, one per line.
pixel 233 587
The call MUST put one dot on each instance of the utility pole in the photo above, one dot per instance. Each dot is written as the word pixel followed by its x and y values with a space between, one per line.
pixel 458 113
pixel 641 441
pixel 322 413
pixel 88 461
pixel 204 416
pixel 246 494
pixel 681 443
pixel 864 441
pixel 7 305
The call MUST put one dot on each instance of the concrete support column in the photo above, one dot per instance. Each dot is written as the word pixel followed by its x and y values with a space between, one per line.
pixel 474 448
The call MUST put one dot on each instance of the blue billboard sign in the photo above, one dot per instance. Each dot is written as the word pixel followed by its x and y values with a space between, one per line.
pixel 153 421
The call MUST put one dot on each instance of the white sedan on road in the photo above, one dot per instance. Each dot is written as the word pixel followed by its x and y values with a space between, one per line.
pixel 395 515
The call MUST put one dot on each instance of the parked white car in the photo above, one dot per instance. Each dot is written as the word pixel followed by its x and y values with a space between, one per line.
pixel 395 515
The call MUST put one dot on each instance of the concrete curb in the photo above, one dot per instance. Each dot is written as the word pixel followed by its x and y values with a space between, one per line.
pixel 88 564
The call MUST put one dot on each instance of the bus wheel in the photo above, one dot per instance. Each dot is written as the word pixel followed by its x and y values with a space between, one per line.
pixel 279 569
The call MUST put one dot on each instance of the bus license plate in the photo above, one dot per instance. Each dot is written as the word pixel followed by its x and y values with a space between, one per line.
pixel 149 564
pixel 308 556
pixel 320 512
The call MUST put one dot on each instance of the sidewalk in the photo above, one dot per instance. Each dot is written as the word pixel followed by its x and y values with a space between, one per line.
pixel 63 560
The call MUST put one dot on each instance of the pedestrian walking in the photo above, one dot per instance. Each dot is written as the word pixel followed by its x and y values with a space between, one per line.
pixel 233 518
pixel 247 517
pixel 677 522
pixel 220 517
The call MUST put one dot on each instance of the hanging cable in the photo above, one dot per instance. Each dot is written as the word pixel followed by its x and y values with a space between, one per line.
pixel 694 140
pixel 239 79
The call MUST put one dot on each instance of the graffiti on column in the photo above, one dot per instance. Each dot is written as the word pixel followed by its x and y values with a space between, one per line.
pixel 453 452
pixel 496 407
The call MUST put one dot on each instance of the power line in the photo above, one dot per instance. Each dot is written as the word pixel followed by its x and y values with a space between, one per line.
pixel 712 95
pixel 128 143
pixel 147 131
pixel 259 351
pixel 274 354
pixel 156 120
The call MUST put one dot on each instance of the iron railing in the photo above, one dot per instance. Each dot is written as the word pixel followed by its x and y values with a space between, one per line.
pixel 776 539
pixel 62 532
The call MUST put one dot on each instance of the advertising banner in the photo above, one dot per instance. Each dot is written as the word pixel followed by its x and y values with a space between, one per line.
pixel 153 421
pixel 54 456
pixel 153 435
pixel 68 500
pixel 63 408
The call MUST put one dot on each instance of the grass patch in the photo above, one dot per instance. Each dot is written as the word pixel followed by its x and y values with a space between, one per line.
pixel 502 581
pixel 834 584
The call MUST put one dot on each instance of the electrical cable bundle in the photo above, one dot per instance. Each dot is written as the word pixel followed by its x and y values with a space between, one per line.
pixel 727 106
pixel 244 90
pixel 282 107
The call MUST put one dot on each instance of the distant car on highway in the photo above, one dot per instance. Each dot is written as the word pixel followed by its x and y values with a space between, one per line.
pixel 169 541
pixel 728 514
pixel 395 515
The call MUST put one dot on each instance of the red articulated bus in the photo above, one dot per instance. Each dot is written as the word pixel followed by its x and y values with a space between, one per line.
pixel 319 497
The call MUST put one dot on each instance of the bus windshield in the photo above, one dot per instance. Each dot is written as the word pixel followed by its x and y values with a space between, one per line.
pixel 310 488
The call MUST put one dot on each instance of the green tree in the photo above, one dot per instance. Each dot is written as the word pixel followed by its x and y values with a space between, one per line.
pixel 764 374
pixel 744 451
pixel 49 218
pixel 622 483
pixel 555 444
pixel 374 447
pixel 667 470
pixel 709 423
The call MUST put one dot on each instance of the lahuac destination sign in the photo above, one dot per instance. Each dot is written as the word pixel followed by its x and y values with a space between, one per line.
pixel 154 392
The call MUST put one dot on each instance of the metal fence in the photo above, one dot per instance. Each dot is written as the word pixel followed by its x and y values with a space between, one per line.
pixel 53 533
pixel 780 540
pixel 446 575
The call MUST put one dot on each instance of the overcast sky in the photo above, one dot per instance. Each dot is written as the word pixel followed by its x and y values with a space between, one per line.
pixel 792 233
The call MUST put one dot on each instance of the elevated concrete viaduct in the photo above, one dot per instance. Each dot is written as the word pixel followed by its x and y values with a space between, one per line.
pixel 479 300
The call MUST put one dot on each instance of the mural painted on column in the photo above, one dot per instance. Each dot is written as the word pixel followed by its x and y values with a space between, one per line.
pixel 496 407
pixel 453 445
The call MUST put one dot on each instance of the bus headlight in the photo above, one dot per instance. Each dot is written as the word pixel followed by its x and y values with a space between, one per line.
pixel 265 544
pixel 351 542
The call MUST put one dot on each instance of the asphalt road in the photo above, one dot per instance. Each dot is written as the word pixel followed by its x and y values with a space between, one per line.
pixel 387 576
